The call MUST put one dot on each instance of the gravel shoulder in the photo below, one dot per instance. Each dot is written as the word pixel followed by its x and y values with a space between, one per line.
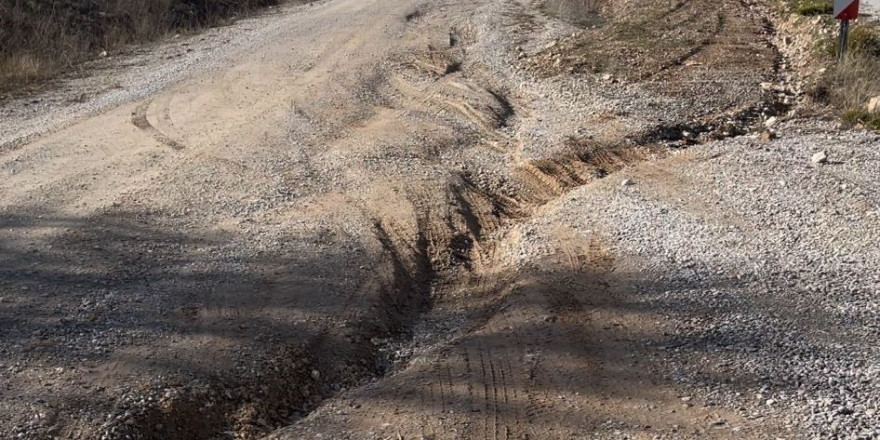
pixel 762 262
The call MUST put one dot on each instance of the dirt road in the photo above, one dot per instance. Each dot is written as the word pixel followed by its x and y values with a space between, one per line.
pixel 398 219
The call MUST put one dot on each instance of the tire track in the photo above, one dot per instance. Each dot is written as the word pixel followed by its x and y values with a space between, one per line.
pixel 140 120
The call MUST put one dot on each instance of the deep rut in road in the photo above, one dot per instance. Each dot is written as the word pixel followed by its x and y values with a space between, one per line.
pixel 507 349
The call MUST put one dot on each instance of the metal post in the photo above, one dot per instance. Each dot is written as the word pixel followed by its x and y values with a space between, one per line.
pixel 844 37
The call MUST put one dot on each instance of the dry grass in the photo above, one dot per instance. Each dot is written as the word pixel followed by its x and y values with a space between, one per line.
pixel 41 38
pixel 811 7
pixel 845 86
pixel 849 85
pixel 861 116
pixel 864 42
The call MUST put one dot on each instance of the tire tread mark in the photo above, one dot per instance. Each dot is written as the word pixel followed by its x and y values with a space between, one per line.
pixel 495 421
pixel 139 119
pixel 486 401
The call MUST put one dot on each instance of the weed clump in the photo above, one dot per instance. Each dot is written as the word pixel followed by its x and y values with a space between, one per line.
pixel 864 42
pixel 846 86
pixel 811 7
pixel 861 116
pixel 849 86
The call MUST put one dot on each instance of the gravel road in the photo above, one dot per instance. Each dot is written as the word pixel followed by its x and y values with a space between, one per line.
pixel 375 219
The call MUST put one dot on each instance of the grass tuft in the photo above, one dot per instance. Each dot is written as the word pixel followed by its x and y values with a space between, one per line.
pixel 861 116
pixel 848 86
pixel 812 7
pixel 864 41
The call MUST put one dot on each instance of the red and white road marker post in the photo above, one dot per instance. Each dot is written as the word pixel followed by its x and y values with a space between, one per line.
pixel 845 10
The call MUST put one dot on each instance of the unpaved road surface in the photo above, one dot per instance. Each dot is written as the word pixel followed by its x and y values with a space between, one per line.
pixel 377 219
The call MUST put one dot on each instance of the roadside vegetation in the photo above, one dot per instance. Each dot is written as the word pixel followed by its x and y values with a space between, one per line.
pixel 849 86
pixel 40 39
pixel 811 7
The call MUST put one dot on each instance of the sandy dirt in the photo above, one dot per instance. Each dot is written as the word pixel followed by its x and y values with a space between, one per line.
pixel 321 224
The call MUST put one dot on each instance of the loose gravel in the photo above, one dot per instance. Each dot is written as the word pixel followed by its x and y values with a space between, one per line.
pixel 765 265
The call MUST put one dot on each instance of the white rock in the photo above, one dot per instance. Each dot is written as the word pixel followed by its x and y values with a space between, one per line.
pixel 771 121
pixel 819 157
